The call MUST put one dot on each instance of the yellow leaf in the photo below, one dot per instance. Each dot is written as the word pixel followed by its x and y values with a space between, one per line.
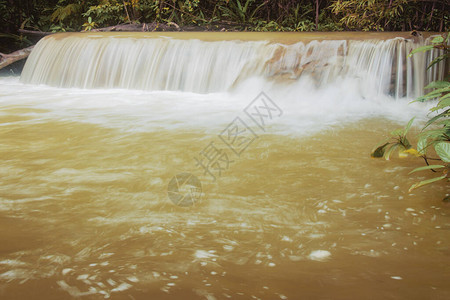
pixel 402 154
pixel 413 151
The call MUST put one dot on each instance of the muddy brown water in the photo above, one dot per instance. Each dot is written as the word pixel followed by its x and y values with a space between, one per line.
pixel 84 211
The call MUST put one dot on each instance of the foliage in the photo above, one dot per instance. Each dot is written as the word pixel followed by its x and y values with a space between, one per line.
pixel 244 13
pixel 251 15
pixel 20 40
pixel 368 14
pixel 89 25
pixel 383 15
pixel 436 132
pixel 108 13
pixel 259 15
pixel 64 12
pixel 67 15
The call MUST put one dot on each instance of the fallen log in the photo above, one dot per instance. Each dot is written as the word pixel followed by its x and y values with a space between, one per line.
pixel 154 26
pixel 7 59
pixel 120 27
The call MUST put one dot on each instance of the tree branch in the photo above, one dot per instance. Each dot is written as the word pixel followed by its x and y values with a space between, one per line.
pixel 7 59
pixel 36 33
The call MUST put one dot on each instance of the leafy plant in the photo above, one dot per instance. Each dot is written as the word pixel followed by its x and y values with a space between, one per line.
pixel 108 13
pixel 261 25
pixel 436 132
pixel 68 15
pixel 89 25
pixel 368 14
pixel 305 26
pixel 257 15
pixel 20 40
pixel 61 13
pixel 240 12
pixel 398 141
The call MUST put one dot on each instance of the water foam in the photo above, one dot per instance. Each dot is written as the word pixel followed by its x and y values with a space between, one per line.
pixel 305 108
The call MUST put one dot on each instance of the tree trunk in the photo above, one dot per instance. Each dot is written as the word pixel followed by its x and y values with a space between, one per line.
pixel 431 15
pixel 7 59
pixel 441 25
pixel 317 14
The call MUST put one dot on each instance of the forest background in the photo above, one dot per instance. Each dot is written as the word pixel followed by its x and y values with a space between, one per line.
pixel 19 16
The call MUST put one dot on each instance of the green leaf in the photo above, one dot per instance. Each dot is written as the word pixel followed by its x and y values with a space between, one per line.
pixel 388 153
pixel 422 145
pixel 436 93
pixel 408 126
pixel 443 150
pixel 436 61
pixel 421 49
pixel 445 96
pixel 445 123
pixel 438 85
pixel 430 167
pixel 431 95
pixel 425 182
pixel 437 40
pixel 443 103
pixel 404 142
pixel 379 152
pixel 437 117
pixel 436 135
pixel 397 132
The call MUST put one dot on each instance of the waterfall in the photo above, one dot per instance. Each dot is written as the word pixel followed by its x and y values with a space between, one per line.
pixel 146 62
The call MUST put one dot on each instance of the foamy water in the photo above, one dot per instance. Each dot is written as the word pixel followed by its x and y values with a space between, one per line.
pixel 305 108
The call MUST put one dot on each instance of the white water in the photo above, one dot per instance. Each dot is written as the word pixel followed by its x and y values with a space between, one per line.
pixel 378 67
pixel 145 84
pixel 305 109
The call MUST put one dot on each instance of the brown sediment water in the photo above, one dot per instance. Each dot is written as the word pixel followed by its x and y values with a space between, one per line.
pixel 300 212
pixel 84 210
pixel 278 37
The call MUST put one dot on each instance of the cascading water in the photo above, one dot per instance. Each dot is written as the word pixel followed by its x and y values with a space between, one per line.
pixel 99 125
pixel 163 63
